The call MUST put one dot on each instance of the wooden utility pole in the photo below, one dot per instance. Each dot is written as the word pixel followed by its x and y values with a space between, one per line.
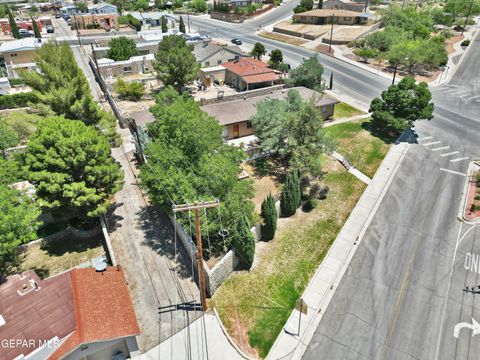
pixel 196 207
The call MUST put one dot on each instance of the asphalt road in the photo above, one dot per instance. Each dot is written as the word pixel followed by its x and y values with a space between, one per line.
pixel 403 293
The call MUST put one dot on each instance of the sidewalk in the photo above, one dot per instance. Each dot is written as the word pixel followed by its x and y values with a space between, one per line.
pixel 351 169
pixel 203 339
pixel 290 344
pixel 344 120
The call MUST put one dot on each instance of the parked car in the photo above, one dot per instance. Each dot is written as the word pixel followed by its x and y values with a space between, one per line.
pixel 237 41
pixel 50 29
pixel 25 33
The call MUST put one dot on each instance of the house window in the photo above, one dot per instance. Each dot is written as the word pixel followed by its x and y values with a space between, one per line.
pixel 207 63
pixel 249 124
pixel 219 62
pixel 324 108
pixel 13 54
pixel 347 18
pixel 127 69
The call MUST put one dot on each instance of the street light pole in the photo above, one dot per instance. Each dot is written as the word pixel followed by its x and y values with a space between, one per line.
pixel 466 19
pixel 394 73
pixel 331 34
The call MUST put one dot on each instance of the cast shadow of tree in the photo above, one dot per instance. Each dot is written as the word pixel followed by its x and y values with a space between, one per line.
pixel 160 237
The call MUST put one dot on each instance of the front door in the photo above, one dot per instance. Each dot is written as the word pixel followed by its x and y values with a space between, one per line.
pixel 236 131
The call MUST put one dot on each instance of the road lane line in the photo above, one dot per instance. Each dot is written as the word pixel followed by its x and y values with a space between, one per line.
pixel 460 159
pixel 453 171
pixel 432 143
pixel 451 153
pixel 473 97
pixel 425 138
pixel 441 148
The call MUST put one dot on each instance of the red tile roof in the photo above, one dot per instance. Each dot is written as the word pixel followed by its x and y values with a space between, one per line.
pixel 254 79
pixel 37 315
pixel 103 307
pixel 245 67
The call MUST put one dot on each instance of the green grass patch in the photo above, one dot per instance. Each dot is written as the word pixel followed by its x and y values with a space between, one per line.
pixel 364 149
pixel 261 300
pixel 343 110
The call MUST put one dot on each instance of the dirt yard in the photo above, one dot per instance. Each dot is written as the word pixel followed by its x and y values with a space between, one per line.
pixel 301 30
pixel 263 184
pixel 283 38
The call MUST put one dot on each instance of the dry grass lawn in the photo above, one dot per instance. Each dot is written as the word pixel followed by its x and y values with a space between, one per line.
pixel 283 38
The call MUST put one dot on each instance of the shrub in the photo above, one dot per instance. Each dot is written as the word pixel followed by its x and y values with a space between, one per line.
pixel 243 242
pixel 299 9
pixel 16 82
pixel 269 216
pixel 465 42
pixel 322 194
pixel 365 53
pixel 132 91
pixel 310 204
pixel 17 100
pixel 290 197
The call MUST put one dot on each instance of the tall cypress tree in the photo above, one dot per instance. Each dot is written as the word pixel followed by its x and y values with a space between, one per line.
pixel 244 242
pixel 290 197
pixel 297 194
pixel 36 30
pixel 13 25
pixel 182 25
pixel 269 215
pixel 164 24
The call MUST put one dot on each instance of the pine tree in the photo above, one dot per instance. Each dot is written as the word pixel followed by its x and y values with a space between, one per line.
pixel 13 26
pixel 269 215
pixel 297 194
pixel 182 25
pixel 36 31
pixel 164 24
pixel 290 197
pixel 243 242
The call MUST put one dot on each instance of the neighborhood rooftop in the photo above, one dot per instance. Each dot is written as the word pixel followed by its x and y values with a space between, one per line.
pixel 234 111
pixel 330 13
pixel 21 45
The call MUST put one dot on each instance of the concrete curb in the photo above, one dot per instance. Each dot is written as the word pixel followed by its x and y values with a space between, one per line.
pixel 463 203
pixel 290 344
pixel 230 340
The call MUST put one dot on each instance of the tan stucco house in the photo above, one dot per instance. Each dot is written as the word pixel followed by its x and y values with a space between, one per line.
pixel 234 112
pixel 20 54
pixel 327 16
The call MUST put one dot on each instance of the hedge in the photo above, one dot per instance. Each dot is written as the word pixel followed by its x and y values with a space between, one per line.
pixel 17 100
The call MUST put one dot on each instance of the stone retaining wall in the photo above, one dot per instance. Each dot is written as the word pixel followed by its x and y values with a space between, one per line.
pixel 64 234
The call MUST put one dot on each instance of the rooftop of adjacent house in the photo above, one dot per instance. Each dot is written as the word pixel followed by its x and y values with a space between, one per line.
pixel 79 306
pixel 203 50
pixel 38 315
pixel 239 110
pixel 156 35
pixel 107 62
pixel 330 12
pixel 21 45
pixel 153 15
pixel 247 66
pixel 350 2
pixel 100 5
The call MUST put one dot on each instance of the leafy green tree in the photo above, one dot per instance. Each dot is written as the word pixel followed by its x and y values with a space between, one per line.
pixel 22 122
pixel 11 170
pixel 269 216
pixel 243 242
pixel 62 88
pixel 308 74
pixel 258 51
pixel 8 137
pixel 70 165
pixel 13 26
pixel 141 5
pixel 164 24
pixel 401 105
pixel 160 4
pixel 307 4
pixel 4 11
pixel 383 40
pixel 320 4
pixel 36 31
pixel 122 48
pixel 175 62
pixel 198 5
pixel 132 91
pixel 276 58
pixel 18 225
pixel 181 26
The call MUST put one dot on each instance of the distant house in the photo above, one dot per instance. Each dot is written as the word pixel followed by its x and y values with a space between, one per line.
pixel 344 5
pixel 248 74
pixel 153 18
pixel 209 54
pixel 24 24
pixel 79 314
pixel 103 8
pixel 243 3
pixel 136 65
pixel 156 35
pixel 69 10
pixel 234 113
pixel 326 16
pixel 20 54
pixel 87 21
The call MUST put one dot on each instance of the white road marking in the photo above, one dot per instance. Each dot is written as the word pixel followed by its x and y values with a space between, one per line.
pixel 460 159
pixel 432 143
pixel 441 148
pixel 473 97
pixel 425 138
pixel 453 172
pixel 451 153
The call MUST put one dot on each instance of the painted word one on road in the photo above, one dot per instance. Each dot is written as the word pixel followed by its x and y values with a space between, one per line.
pixel 474 326
pixel 472 262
